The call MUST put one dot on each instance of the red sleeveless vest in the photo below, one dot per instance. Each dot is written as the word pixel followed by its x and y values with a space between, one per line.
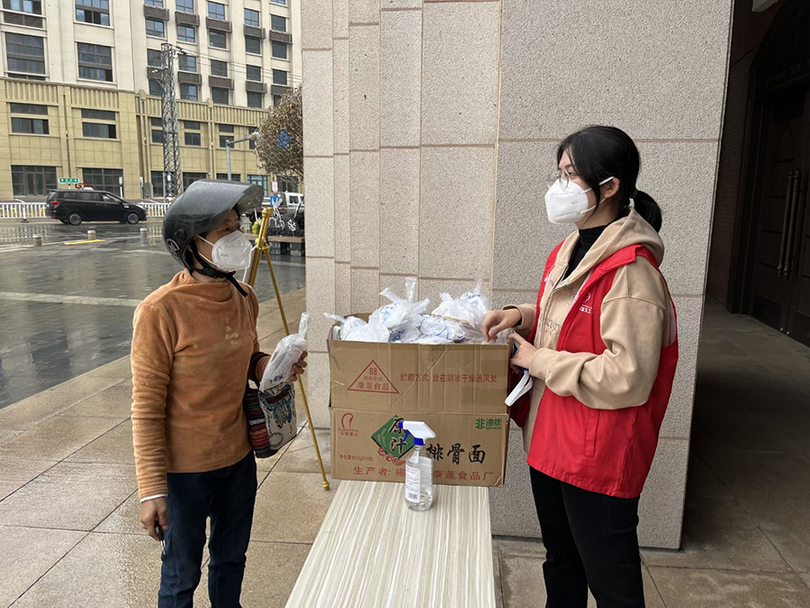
pixel 604 451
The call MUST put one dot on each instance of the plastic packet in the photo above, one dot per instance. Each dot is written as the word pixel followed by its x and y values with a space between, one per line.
pixel 288 352
pixel 347 325
pixel 401 316
pixel 437 327
pixel 373 331
pixel 469 309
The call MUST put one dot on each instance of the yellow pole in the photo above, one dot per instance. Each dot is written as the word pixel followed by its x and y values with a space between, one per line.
pixel 264 248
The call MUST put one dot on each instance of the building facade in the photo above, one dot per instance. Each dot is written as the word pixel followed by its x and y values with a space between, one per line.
pixel 81 99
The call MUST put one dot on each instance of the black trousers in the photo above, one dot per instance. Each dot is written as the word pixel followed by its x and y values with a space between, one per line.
pixel 590 541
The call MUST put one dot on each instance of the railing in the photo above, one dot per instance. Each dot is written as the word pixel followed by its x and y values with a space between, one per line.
pixel 18 209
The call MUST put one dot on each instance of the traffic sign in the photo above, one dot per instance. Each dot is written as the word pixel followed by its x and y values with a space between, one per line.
pixel 68 180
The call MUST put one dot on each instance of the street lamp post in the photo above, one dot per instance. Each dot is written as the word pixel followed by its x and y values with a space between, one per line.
pixel 230 143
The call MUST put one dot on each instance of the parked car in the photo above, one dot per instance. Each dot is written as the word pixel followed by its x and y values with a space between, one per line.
pixel 76 206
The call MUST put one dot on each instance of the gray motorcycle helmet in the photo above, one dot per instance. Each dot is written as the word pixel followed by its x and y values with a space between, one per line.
pixel 201 208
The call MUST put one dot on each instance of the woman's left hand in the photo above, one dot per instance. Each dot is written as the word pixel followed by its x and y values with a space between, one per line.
pixel 525 353
pixel 298 368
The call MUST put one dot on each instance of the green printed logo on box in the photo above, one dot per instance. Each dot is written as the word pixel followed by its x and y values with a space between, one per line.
pixel 488 424
pixel 392 439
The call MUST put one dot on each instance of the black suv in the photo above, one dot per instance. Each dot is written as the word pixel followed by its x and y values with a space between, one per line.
pixel 76 206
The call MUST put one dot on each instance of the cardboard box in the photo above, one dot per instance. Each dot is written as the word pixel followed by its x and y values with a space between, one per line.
pixel 457 389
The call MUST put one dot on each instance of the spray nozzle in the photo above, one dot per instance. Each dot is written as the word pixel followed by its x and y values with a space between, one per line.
pixel 419 430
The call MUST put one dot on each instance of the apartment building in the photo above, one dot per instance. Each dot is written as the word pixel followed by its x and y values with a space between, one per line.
pixel 80 97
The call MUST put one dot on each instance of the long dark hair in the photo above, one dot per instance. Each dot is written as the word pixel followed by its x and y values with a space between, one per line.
pixel 599 152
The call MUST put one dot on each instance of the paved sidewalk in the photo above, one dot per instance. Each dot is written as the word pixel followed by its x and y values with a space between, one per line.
pixel 70 535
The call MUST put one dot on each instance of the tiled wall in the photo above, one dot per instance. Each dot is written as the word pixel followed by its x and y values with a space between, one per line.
pixel 430 127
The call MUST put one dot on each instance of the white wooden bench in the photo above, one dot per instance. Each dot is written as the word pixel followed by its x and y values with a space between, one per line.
pixel 373 552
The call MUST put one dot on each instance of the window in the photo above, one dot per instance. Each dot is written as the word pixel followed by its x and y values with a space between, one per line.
pixel 95 62
pixel 254 73
pixel 93 11
pixel 25 54
pixel 223 139
pixel 185 6
pixel 280 77
pixel 189 92
pixel 287 183
pixel 219 68
pixel 279 50
pixel 278 24
pixel 193 139
pixel 29 108
pixel 32 181
pixel 188 63
pixel 253 45
pixel 252 142
pixel 191 125
pixel 157 130
pixel 98 115
pixel 104 179
pixel 220 96
pixel 157 184
pixel 155 28
pixel 31 126
pixel 235 177
pixel 155 88
pixel 281 2
pixel 97 129
pixel 157 3
pixel 154 58
pixel 252 17
pixel 33 7
pixel 259 180
pixel 226 129
pixel 255 100
pixel 186 33
pixel 276 100
pixel 190 178
pixel 217 40
pixel 216 11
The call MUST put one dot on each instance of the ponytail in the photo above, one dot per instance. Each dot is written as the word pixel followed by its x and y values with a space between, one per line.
pixel 646 207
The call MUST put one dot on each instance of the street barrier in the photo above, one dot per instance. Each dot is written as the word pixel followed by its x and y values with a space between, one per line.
pixel 21 210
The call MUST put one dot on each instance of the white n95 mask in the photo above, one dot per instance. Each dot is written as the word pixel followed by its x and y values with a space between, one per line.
pixel 568 204
pixel 232 252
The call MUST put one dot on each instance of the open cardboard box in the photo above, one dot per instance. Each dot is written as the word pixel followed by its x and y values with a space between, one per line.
pixel 457 389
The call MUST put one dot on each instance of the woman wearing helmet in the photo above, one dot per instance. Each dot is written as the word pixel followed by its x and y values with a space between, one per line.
pixel 194 347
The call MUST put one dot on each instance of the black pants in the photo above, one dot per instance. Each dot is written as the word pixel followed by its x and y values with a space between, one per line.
pixel 227 496
pixel 590 541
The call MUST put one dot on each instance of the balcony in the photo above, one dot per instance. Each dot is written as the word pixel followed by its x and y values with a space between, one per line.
pixel 218 25
pixel 188 19
pixel 220 82
pixel 255 32
pixel 153 12
pixel 281 37
pixel 256 87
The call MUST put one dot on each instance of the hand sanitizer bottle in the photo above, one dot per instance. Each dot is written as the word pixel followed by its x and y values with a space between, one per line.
pixel 418 468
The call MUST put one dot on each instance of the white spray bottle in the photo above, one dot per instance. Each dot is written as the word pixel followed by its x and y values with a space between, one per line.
pixel 418 467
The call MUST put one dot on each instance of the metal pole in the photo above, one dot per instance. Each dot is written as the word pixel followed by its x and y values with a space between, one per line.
pixel 262 248
pixel 228 156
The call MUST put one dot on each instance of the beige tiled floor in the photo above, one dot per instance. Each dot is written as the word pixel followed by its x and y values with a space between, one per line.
pixel 69 531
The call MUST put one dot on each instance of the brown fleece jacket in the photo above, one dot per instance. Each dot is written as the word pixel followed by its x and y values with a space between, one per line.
pixel 191 349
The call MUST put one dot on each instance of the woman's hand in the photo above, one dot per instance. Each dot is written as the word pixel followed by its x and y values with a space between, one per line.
pixel 299 367
pixel 525 353
pixel 498 320
pixel 155 513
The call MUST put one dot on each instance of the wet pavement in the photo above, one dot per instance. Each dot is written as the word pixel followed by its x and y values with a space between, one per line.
pixel 67 309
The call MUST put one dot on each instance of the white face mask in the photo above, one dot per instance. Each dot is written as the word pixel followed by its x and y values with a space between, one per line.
pixel 568 204
pixel 231 253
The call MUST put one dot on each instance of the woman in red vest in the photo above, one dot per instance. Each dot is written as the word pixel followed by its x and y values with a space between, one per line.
pixel 602 347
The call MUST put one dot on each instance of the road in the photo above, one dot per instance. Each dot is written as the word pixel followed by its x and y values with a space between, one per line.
pixel 66 309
